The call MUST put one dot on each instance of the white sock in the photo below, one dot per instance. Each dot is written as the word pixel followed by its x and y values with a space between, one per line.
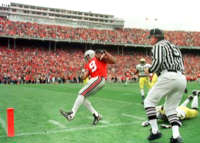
pixel 195 103
pixel 79 100
pixel 89 106
pixel 185 102
pixel 154 125
pixel 175 131
pixel 142 92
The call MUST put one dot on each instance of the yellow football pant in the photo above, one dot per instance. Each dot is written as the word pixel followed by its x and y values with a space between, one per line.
pixel 154 80
pixel 144 81
pixel 189 113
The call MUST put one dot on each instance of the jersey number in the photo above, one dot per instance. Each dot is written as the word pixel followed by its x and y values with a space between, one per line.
pixel 93 66
pixel 175 50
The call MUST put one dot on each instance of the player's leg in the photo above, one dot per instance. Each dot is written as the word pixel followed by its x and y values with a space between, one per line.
pixel 71 114
pixel 187 100
pixel 154 80
pixel 89 106
pixel 147 82
pixel 141 85
pixel 191 113
pixel 125 83
pixel 96 115
pixel 86 90
pixel 195 103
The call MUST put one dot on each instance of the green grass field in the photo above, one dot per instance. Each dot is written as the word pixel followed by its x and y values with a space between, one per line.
pixel 37 117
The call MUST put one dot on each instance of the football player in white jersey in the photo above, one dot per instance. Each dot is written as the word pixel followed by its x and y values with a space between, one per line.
pixel 143 77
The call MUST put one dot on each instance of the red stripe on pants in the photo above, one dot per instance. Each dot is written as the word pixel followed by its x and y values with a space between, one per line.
pixel 92 86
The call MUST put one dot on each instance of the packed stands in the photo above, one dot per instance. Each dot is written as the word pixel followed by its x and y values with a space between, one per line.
pixel 37 64
pixel 118 36
pixel 31 64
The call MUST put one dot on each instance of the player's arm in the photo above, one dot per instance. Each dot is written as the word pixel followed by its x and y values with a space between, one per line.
pixel 103 55
pixel 84 74
pixel 137 72
pixel 110 59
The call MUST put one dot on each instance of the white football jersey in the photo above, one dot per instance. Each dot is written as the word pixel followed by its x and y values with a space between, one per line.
pixel 140 68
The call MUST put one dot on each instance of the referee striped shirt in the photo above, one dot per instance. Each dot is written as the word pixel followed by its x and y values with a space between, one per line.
pixel 166 56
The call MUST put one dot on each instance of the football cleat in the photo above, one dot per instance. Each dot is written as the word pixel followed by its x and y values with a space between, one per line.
pixel 96 119
pixel 194 92
pixel 186 91
pixel 68 115
pixel 190 97
pixel 176 140
pixel 154 136
pixel 198 93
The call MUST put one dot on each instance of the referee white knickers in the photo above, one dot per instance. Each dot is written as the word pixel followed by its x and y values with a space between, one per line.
pixel 93 85
pixel 170 85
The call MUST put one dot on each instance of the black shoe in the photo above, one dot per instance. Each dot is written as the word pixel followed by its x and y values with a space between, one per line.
pixel 190 97
pixel 194 92
pixel 198 93
pixel 67 115
pixel 176 140
pixel 154 136
pixel 96 119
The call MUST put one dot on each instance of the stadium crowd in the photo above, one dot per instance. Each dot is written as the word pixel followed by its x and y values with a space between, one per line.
pixel 34 65
pixel 41 65
pixel 29 64
pixel 118 36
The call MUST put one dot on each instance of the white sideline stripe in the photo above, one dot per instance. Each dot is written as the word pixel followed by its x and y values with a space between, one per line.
pixel 101 121
pixel 3 124
pixel 74 129
pixel 57 123
pixel 133 116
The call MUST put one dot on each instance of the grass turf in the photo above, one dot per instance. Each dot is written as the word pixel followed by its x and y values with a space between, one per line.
pixel 37 106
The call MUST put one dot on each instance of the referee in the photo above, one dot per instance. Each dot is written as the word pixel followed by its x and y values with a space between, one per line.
pixel 167 62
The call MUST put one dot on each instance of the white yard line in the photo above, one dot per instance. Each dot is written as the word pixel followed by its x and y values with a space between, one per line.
pixel 73 129
pixel 3 125
pixel 133 116
pixel 57 123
